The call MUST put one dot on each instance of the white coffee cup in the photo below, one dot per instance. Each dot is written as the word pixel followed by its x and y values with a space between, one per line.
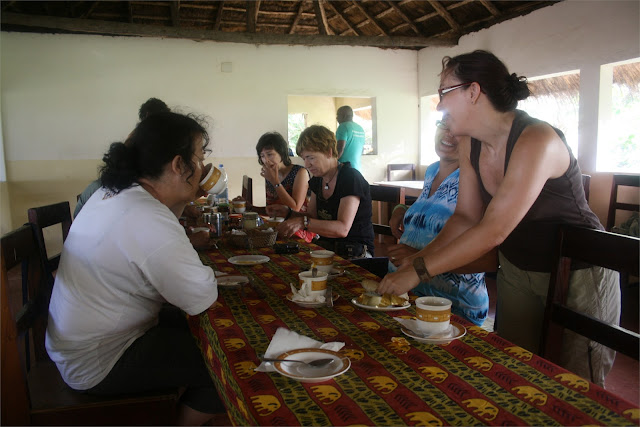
pixel 318 284
pixel 323 260
pixel 215 180
pixel 433 314
pixel 239 206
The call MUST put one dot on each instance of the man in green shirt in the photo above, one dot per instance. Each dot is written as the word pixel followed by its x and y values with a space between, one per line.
pixel 350 137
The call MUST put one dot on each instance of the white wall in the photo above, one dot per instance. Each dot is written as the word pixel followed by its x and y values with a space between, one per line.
pixel 571 35
pixel 66 97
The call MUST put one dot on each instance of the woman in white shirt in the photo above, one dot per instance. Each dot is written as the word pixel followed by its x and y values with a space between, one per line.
pixel 124 258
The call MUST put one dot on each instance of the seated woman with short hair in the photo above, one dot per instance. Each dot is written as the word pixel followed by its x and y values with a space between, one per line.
pixel 340 206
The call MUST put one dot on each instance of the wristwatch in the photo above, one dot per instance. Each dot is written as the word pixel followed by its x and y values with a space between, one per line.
pixel 305 222
pixel 421 269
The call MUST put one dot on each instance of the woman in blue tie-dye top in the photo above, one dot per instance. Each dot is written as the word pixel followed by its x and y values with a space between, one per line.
pixel 418 224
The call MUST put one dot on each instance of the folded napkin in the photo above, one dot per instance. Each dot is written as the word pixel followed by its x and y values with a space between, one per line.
pixel 412 325
pixel 304 294
pixel 286 340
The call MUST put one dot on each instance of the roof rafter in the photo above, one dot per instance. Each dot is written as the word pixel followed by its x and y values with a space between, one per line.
pixel 175 13
pixel 341 16
pixel 298 15
pixel 93 26
pixel 216 25
pixel 442 11
pixel 252 15
pixel 403 16
pixel 321 17
pixel 369 18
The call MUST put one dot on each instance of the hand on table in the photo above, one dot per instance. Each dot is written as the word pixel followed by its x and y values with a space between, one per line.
pixel 400 253
pixel 277 211
pixel 290 226
pixel 399 282
pixel 201 239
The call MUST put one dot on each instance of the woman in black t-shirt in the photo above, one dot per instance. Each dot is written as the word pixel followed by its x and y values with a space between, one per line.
pixel 340 206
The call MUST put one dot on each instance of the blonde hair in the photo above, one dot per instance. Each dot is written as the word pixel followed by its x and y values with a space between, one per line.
pixel 317 138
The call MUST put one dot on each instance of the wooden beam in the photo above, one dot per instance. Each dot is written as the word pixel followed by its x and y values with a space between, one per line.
pixel 252 15
pixel 216 26
pixel 321 17
pixel 338 14
pixel 175 13
pixel 490 7
pixel 91 26
pixel 130 10
pixel 90 10
pixel 297 18
pixel 373 21
pixel 442 11
pixel 403 16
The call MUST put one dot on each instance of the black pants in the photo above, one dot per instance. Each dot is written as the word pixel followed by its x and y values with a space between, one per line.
pixel 166 356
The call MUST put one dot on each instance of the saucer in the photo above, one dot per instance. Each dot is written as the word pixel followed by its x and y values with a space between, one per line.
pixel 377 308
pixel 249 259
pixel 309 374
pixel 232 281
pixel 310 304
pixel 456 331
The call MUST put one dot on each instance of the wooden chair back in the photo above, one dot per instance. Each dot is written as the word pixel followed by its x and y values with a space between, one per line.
pixel 46 216
pixel 401 167
pixel 614 204
pixel 33 392
pixel 600 248
pixel 247 189
pixel 384 199
pixel 586 182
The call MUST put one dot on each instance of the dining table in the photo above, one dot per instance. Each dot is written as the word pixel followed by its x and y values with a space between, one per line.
pixel 393 378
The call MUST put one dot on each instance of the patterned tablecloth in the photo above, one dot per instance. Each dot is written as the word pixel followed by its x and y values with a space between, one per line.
pixel 480 379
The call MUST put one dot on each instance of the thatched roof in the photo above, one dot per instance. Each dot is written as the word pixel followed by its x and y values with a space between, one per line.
pixel 406 24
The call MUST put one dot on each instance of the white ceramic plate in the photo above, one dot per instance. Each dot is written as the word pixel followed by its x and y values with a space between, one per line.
pixel 376 308
pixel 309 374
pixel 249 259
pixel 310 304
pixel 456 331
pixel 232 281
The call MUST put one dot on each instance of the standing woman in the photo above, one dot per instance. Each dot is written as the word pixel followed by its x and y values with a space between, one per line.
pixel 340 206
pixel 518 182
pixel 285 183
pixel 126 256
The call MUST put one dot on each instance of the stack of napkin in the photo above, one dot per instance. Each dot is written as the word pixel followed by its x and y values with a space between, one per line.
pixel 304 294
pixel 285 340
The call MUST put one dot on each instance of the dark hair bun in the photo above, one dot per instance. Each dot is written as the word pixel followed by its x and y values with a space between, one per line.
pixel 119 169
pixel 518 86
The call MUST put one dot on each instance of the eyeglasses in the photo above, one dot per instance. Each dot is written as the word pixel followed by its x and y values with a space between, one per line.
pixel 444 90
pixel 441 125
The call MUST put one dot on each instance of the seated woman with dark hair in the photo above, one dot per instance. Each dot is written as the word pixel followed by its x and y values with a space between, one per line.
pixel 285 183
pixel 126 256
pixel 340 206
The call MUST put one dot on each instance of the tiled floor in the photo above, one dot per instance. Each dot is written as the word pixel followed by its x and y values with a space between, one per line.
pixel 624 378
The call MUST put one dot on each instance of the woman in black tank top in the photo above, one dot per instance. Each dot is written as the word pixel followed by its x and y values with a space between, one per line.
pixel 518 182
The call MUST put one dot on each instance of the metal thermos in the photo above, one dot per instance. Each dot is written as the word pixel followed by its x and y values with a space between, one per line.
pixel 214 218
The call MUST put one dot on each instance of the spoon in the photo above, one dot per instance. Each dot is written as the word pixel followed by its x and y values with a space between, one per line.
pixel 318 363
pixel 314 272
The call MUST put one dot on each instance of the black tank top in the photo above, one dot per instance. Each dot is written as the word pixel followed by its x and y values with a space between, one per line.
pixel 562 201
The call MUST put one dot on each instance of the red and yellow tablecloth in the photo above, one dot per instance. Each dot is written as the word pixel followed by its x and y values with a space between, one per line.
pixel 480 379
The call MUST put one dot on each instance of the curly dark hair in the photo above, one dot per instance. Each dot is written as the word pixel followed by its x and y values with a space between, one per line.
pixel 274 141
pixel 154 143
pixel 504 90
pixel 152 106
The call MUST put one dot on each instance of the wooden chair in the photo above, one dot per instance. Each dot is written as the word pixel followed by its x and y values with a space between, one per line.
pixel 247 189
pixel 376 265
pixel 33 393
pixel 601 248
pixel 387 198
pixel 401 167
pixel 46 216
pixel 586 181
pixel 614 204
